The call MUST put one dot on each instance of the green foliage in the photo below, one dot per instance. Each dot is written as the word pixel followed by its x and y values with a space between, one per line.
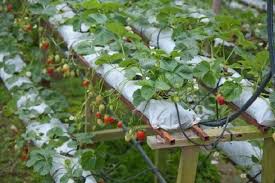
pixel 207 173
pixel 41 160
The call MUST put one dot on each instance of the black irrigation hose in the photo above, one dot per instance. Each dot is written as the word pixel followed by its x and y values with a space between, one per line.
pixel 153 168
pixel 252 179
pixel 260 89
pixel 214 144
pixel 270 32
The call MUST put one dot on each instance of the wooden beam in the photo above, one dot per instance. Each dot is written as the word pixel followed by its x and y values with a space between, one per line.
pixel 161 156
pixel 188 165
pixel 239 133
pixel 268 161
pixel 117 133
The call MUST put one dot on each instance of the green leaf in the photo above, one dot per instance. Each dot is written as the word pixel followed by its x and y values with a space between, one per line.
pixel 9 68
pixel 41 160
pixel 90 4
pixel 88 160
pixel 148 83
pixel 55 132
pixel 116 28
pixel 84 138
pixel 107 59
pixel 231 90
pixel 255 159
pixel 168 66
pixel 137 97
pixel 201 69
pixel 147 92
pixel 103 37
pixel 174 79
pixel 161 85
pixel 209 79
pixel 128 63
pixel 99 18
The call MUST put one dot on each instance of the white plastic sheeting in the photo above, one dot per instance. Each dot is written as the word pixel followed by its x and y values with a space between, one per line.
pixel 159 112
pixel 241 152
pixel 260 109
pixel 59 168
pixel 116 78
pixel 260 4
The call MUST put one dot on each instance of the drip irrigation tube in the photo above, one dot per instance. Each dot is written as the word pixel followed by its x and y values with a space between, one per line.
pixel 260 89
pixel 153 168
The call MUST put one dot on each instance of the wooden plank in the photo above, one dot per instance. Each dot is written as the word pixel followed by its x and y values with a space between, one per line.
pixel 161 156
pixel 116 133
pixel 239 133
pixel 188 165
pixel 268 161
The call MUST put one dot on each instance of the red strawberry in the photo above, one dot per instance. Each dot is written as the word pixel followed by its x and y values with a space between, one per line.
pixel 50 71
pixel 220 99
pixel 140 135
pixel 106 119
pixel 9 7
pixel 49 61
pixel 45 45
pixel 85 83
pixel 111 120
pixel 25 153
pixel 98 115
pixel 28 27
pixel 119 124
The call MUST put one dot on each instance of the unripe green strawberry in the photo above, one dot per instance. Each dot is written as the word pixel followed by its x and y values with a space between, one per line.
pixel 57 58
pixel 99 99
pixel 100 122
pixel 101 108
pixel 72 73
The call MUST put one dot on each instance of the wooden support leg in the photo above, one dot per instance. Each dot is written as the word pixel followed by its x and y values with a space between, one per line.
pixel 188 165
pixel 161 156
pixel 268 162
pixel 216 6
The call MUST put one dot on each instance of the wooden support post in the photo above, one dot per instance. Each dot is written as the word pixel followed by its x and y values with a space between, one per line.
pixel 216 6
pixel 88 114
pixel 268 161
pixel 188 164
pixel 161 156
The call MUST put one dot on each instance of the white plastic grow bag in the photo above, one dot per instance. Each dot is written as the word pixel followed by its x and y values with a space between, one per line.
pixel 115 77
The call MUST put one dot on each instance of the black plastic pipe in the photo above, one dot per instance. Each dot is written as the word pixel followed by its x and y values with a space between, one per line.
pixel 148 161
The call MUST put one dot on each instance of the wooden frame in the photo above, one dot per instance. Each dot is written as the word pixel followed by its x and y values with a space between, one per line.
pixel 189 152
pixel 189 155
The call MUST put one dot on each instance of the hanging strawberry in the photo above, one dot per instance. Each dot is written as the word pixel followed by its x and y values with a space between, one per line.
pixel 9 7
pixel 85 83
pixel 50 71
pixel 119 124
pixel 98 115
pixel 220 99
pixel 140 135
pixel 44 45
